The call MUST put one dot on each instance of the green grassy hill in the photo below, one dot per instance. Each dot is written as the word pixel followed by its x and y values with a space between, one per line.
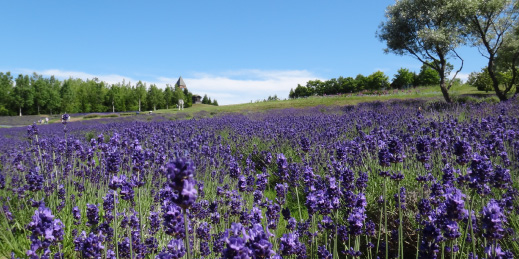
pixel 419 92
pixel 463 92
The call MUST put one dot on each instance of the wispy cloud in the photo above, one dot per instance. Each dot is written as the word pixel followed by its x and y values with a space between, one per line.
pixel 62 74
pixel 228 87
pixel 242 86
pixel 463 76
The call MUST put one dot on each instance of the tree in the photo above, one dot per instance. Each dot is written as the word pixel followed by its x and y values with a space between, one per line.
pixel 302 91
pixel 488 23
pixel 403 79
pixel 361 82
pixel 41 89
pixel 348 84
pixel 507 60
pixel 315 87
pixel 215 103
pixel 22 93
pixel 94 92
pixel 291 94
pixel 168 95
pixel 113 95
pixel 188 99
pixel 177 95
pixel 481 80
pixel 67 96
pixel 140 92
pixel 378 80
pixel 54 100
pixel 155 97
pixel 331 86
pixel 429 76
pixel 6 90
pixel 427 30
pixel 205 100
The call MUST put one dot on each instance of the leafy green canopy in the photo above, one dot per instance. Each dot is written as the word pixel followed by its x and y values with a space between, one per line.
pixel 428 30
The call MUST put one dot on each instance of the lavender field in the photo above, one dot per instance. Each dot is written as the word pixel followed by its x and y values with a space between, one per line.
pixel 398 179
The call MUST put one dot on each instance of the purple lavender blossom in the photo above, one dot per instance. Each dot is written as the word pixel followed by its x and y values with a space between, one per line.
pixel 45 231
pixel 92 215
pixel 90 246
pixel 76 214
pixel 493 220
pixel 173 221
pixel 463 151
pixel 180 178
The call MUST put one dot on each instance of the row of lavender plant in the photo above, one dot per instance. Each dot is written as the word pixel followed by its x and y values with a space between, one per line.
pixel 382 180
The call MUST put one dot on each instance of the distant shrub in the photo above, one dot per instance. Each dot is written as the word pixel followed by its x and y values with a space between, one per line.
pixel 491 99
pixel 110 116
pixel 466 99
pixel 90 116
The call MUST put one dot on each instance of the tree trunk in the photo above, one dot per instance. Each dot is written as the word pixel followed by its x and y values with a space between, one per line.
pixel 38 110
pixel 154 108
pixel 139 104
pixel 495 82
pixel 20 111
pixel 443 88
pixel 446 95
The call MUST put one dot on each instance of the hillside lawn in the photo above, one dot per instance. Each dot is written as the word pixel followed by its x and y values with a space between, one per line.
pixel 203 110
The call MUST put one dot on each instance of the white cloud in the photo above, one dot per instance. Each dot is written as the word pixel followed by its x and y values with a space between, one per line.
pixel 463 76
pixel 229 87
pixel 111 79
pixel 251 85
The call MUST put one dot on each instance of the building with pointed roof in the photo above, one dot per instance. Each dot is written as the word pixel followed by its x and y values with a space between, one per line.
pixel 180 83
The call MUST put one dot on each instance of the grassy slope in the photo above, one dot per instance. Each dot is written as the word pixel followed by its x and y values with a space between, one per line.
pixel 420 92
pixel 432 92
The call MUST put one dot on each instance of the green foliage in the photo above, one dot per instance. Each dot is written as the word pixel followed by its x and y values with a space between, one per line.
pixel 205 100
pixel 140 93
pixel 426 30
pixel 302 91
pixel 361 82
pixel 6 89
pixel 154 97
pixel 403 79
pixel 507 60
pixel 188 99
pixel 23 94
pixel 427 76
pixel 377 81
pixel 168 96
pixel 36 94
pixel 177 95
pixel 491 25
pixel 481 80
pixel 341 85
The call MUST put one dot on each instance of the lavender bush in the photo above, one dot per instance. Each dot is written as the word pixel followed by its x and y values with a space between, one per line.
pixel 376 180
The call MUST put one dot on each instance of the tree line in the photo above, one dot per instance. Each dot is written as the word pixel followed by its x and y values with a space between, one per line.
pixel 36 94
pixel 404 78
pixel 432 32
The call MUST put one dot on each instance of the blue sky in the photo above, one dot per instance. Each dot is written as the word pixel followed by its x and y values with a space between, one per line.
pixel 234 51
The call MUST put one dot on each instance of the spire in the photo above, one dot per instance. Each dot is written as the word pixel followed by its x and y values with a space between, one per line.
pixel 180 83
